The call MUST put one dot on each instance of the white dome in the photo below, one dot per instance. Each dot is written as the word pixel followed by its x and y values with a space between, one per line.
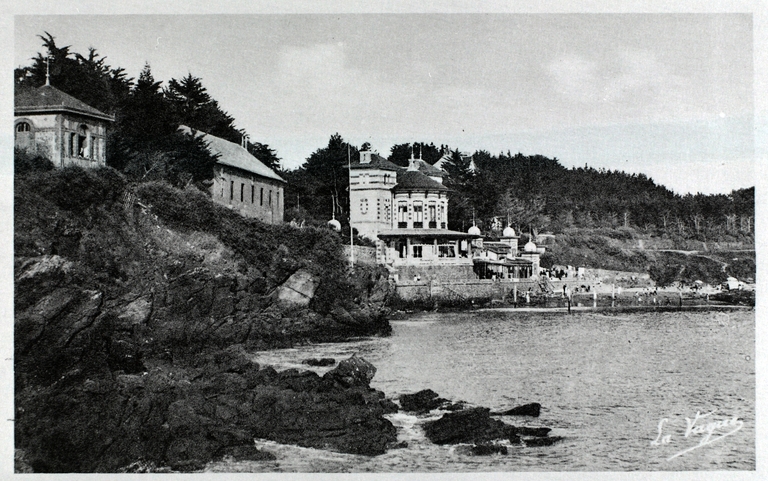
pixel 508 232
pixel 530 247
pixel 335 225
pixel 474 230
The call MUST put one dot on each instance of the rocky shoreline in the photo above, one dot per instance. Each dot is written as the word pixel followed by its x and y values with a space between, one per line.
pixel 135 308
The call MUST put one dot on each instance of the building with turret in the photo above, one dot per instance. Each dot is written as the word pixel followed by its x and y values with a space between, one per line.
pixel 405 211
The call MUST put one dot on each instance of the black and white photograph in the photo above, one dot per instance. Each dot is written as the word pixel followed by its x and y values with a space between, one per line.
pixel 503 239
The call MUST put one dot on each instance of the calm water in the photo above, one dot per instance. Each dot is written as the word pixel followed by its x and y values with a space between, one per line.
pixel 604 381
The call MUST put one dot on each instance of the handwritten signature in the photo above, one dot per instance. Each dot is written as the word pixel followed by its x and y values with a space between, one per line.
pixel 710 432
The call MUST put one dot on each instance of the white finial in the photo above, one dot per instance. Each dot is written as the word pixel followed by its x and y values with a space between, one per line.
pixel 48 70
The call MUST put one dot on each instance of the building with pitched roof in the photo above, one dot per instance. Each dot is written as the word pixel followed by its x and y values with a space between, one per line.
pixel 405 211
pixel 60 127
pixel 242 182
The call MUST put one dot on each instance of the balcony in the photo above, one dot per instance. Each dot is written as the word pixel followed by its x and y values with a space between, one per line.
pixel 418 225
pixel 433 225
pixel 402 225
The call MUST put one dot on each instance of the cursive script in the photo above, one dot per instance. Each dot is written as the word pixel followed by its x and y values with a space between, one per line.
pixel 710 432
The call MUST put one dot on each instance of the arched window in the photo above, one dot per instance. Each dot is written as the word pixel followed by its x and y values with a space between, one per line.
pixel 24 136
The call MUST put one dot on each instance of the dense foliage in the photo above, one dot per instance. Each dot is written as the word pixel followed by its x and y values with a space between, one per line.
pixel 144 142
pixel 532 193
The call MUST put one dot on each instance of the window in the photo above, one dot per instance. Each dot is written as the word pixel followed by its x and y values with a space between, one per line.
pixel 364 206
pixel 231 189
pixel 431 213
pixel 418 215
pixel 402 215
pixel 242 192
pixel 24 137
pixel 417 251
pixel 261 196
pixel 82 141
pixel 270 198
pixel 71 146
pixel 253 193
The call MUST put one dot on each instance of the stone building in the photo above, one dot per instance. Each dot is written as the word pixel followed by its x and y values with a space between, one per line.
pixel 405 211
pixel 60 127
pixel 242 182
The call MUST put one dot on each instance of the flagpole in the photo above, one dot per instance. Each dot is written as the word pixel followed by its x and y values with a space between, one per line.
pixel 351 236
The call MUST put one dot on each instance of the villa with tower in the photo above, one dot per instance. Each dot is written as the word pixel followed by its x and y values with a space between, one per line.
pixel 405 212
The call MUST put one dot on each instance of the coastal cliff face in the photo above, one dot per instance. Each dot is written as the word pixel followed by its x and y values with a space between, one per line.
pixel 134 309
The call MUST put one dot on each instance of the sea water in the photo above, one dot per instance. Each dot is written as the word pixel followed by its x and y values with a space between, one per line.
pixel 640 391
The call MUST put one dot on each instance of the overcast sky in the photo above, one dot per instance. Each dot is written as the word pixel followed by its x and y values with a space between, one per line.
pixel 669 95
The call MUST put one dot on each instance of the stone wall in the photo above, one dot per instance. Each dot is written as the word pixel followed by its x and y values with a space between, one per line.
pixel 477 289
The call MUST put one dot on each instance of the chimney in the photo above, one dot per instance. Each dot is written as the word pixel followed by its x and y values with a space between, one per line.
pixel 365 157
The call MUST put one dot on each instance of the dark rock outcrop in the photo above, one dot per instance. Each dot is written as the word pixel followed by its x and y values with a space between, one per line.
pixel 473 425
pixel 422 401
pixel 352 372
pixel 322 362
pixel 532 409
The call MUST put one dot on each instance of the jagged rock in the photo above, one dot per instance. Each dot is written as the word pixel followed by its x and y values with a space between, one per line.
pixel 532 409
pixel 322 362
pixel 473 425
pixel 354 371
pixel 136 312
pixel 422 401
pixel 298 290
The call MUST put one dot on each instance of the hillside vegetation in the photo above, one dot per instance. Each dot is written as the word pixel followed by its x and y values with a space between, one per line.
pixel 135 307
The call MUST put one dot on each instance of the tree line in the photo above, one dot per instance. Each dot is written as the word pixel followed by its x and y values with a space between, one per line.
pixel 532 193
pixel 144 141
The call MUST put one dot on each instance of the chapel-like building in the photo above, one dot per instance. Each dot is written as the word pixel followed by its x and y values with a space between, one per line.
pixel 60 127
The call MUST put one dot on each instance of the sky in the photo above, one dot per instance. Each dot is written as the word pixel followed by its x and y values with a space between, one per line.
pixel 670 95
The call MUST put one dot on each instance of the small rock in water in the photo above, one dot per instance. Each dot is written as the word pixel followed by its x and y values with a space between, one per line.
pixel 472 425
pixel 422 401
pixel 354 371
pixel 322 362
pixel 532 409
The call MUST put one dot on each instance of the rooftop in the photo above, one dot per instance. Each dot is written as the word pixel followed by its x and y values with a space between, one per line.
pixel 377 162
pixel 49 99
pixel 234 155
pixel 415 180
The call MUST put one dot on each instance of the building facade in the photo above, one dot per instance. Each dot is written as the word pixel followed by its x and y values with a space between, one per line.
pixel 242 182
pixel 405 211
pixel 60 127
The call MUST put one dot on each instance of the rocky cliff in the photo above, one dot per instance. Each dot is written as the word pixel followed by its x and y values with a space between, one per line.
pixel 134 308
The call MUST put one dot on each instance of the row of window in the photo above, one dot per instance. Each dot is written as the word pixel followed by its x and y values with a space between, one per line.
pixel 252 194
pixel 365 179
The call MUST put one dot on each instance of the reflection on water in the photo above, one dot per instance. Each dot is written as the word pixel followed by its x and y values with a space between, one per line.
pixel 605 382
